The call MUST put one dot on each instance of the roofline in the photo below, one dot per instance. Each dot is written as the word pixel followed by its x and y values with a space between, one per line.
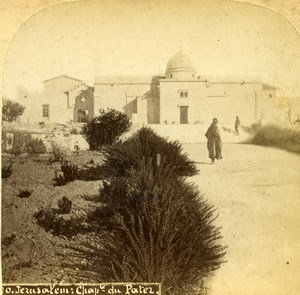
pixel 127 83
pixel 65 76
pixel 219 82
pixel 210 82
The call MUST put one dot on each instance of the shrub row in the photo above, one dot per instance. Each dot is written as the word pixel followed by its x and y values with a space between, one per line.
pixel 276 136
pixel 23 142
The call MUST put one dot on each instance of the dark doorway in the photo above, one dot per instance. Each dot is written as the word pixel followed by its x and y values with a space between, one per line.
pixel 83 116
pixel 184 115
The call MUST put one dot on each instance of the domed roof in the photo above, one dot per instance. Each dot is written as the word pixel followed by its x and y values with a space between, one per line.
pixel 179 61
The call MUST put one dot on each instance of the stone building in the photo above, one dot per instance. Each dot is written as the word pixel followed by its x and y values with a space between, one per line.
pixel 182 96
pixel 62 99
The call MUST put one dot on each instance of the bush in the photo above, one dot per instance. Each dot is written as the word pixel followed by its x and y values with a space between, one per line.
pixel 105 129
pixel 69 173
pixel 253 129
pixel 160 231
pixel 272 135
pixel 58 151
pixel 11 110
pixel 145 143
pixel 6 171
pixel 36 146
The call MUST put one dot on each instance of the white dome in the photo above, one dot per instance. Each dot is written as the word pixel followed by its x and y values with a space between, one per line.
pixel 180 67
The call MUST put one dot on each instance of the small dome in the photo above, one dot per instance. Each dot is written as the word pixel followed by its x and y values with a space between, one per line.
pixel 180 66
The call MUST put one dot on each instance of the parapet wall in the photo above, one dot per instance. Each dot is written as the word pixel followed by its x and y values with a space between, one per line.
pixel 192 133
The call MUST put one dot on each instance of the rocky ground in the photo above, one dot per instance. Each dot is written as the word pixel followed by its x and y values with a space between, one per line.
pixel 29 253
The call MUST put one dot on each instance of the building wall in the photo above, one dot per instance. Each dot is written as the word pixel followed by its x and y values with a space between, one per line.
pixel 54 94
pixel 87 105
pixel 226 100
pixel 266 101
pixel 60 105
pixel 84 102
pixel 154 100
pixel 234 99
pixel 170 100
pixel 134 95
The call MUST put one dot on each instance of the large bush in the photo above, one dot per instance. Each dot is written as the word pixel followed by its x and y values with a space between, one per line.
pixel 145 143
pixel 273 135
pixel 105 129
pixel 160 230
pixel 36 146
pixel 11 110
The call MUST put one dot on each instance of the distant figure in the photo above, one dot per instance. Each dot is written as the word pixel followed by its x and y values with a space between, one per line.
pixel 237 125
pixel 214 141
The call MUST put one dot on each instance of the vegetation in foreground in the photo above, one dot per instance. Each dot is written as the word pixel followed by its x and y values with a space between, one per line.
pixel 148 223
pixel 158 230
pixel 152 226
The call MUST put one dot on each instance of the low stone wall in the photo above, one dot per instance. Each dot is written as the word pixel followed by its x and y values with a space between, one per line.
pixel 192 133
pixel 62 135
pixel 66 141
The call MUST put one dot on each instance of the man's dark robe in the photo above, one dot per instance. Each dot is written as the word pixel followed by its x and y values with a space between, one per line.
pixel 214 142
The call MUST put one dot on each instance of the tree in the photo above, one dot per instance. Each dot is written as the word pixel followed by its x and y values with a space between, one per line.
pixel 11 110
pixel 105 129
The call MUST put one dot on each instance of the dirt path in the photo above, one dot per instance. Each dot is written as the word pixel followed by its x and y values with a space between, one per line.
pixel 257 193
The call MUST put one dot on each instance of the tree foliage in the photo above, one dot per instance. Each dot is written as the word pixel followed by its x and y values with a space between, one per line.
pixel 11 110
pixel 105 129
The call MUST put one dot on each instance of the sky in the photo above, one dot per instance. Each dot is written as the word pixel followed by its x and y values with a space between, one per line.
pixel 90 38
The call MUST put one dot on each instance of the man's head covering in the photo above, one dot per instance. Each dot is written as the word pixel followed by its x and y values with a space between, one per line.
pixel 215 120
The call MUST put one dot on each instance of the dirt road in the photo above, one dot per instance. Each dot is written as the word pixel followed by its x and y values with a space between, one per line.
pixel 257 193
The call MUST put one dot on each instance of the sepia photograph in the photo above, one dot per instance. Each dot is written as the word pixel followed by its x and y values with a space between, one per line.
pixel 150 147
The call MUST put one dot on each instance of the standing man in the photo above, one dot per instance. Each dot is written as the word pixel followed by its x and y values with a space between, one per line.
pixel 237 125
pixel 214 141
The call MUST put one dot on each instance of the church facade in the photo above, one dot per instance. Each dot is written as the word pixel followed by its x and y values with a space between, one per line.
pixel 182 96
